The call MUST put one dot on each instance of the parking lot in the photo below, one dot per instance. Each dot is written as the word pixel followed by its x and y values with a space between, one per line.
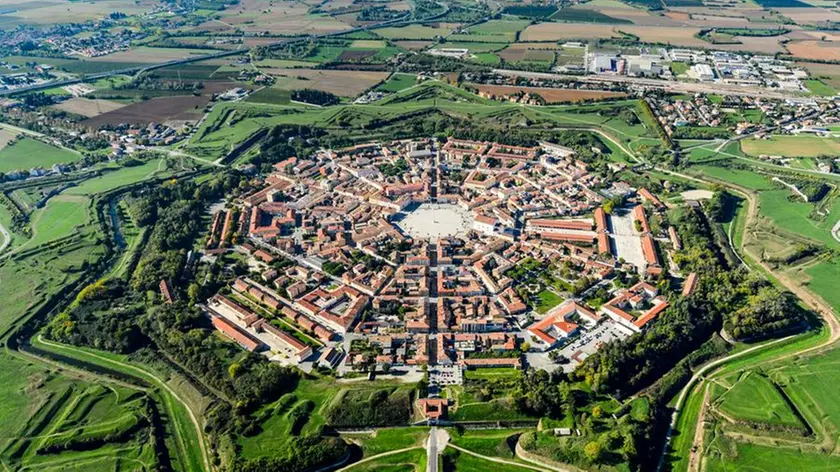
pixel 580 347
pixel 443 375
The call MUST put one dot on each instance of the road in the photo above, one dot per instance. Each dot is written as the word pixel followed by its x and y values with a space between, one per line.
pixel 7 238
pixel 671 86
pixel 432 451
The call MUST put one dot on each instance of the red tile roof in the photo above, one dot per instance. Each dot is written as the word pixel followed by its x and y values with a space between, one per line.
pixel 235 333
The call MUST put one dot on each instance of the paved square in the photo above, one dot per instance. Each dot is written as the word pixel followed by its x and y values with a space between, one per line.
pixel 436 220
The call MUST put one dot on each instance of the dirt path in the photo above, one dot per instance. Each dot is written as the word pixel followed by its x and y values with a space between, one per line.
pixel 697 444
pixel 377 456
pixel 497 460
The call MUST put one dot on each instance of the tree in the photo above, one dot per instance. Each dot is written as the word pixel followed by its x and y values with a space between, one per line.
pixel 234 370
pixel 593 451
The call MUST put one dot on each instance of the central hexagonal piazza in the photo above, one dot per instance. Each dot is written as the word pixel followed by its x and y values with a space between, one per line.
pixel 435 220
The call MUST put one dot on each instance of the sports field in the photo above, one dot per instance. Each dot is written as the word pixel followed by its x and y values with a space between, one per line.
pixel 791 146
pixel 27 153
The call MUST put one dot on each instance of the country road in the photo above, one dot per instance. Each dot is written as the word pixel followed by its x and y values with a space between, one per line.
pixel 7 238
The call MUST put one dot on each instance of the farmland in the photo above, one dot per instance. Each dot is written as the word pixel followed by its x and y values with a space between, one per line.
pixel 147 55
pixel 338 82
pixel 552 95
pixel 413 32
pixel 27 153
pixel 89 107
pixel 791 146
pixel 156 109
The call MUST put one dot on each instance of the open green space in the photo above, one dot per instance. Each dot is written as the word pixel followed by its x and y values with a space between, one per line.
pixel 457 461
pixel 27 153
pixel 114 177
pixel 398 82
pixel 791 146
pixel 51 421
pixel 59 218
pixel 754 398
pixel 389 439
pixel 820 88
pixel 492 442
pixel 413 460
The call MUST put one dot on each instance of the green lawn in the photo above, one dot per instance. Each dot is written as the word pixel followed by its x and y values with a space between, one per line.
pixel 389 439
pixel 493 443
pixel 757 458
pixel 548 300
pixel 457 461
pixel 679 68
pixel 823 281
pixel 27 153
pixel 818 87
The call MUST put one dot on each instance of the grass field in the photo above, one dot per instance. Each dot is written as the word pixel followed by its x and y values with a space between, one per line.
pixel 118 177
pixel 398 82
pixel 457 461
pixel 548 300
pixel 808 383
pixel 45 416
pixel 58 219
pixel 791 146
pixel 27 153
pixel 412 32
pixel 413 460
pixel 754 398
pixel 493 443
pixel 820 88
pixel 389 439
pixel 823 280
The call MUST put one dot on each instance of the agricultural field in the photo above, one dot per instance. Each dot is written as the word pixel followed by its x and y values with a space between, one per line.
pixel 412 32
pixel 149 55
pixel 820 88
pixel 26 153
pixel 551 95
pixel 338 82
pixel 57 11
pixel 814 50
pixel 88 107
pixel 585 15
pixel 184 107
pixel 791 146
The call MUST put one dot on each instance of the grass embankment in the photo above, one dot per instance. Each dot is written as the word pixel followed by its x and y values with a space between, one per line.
pixel 189 441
